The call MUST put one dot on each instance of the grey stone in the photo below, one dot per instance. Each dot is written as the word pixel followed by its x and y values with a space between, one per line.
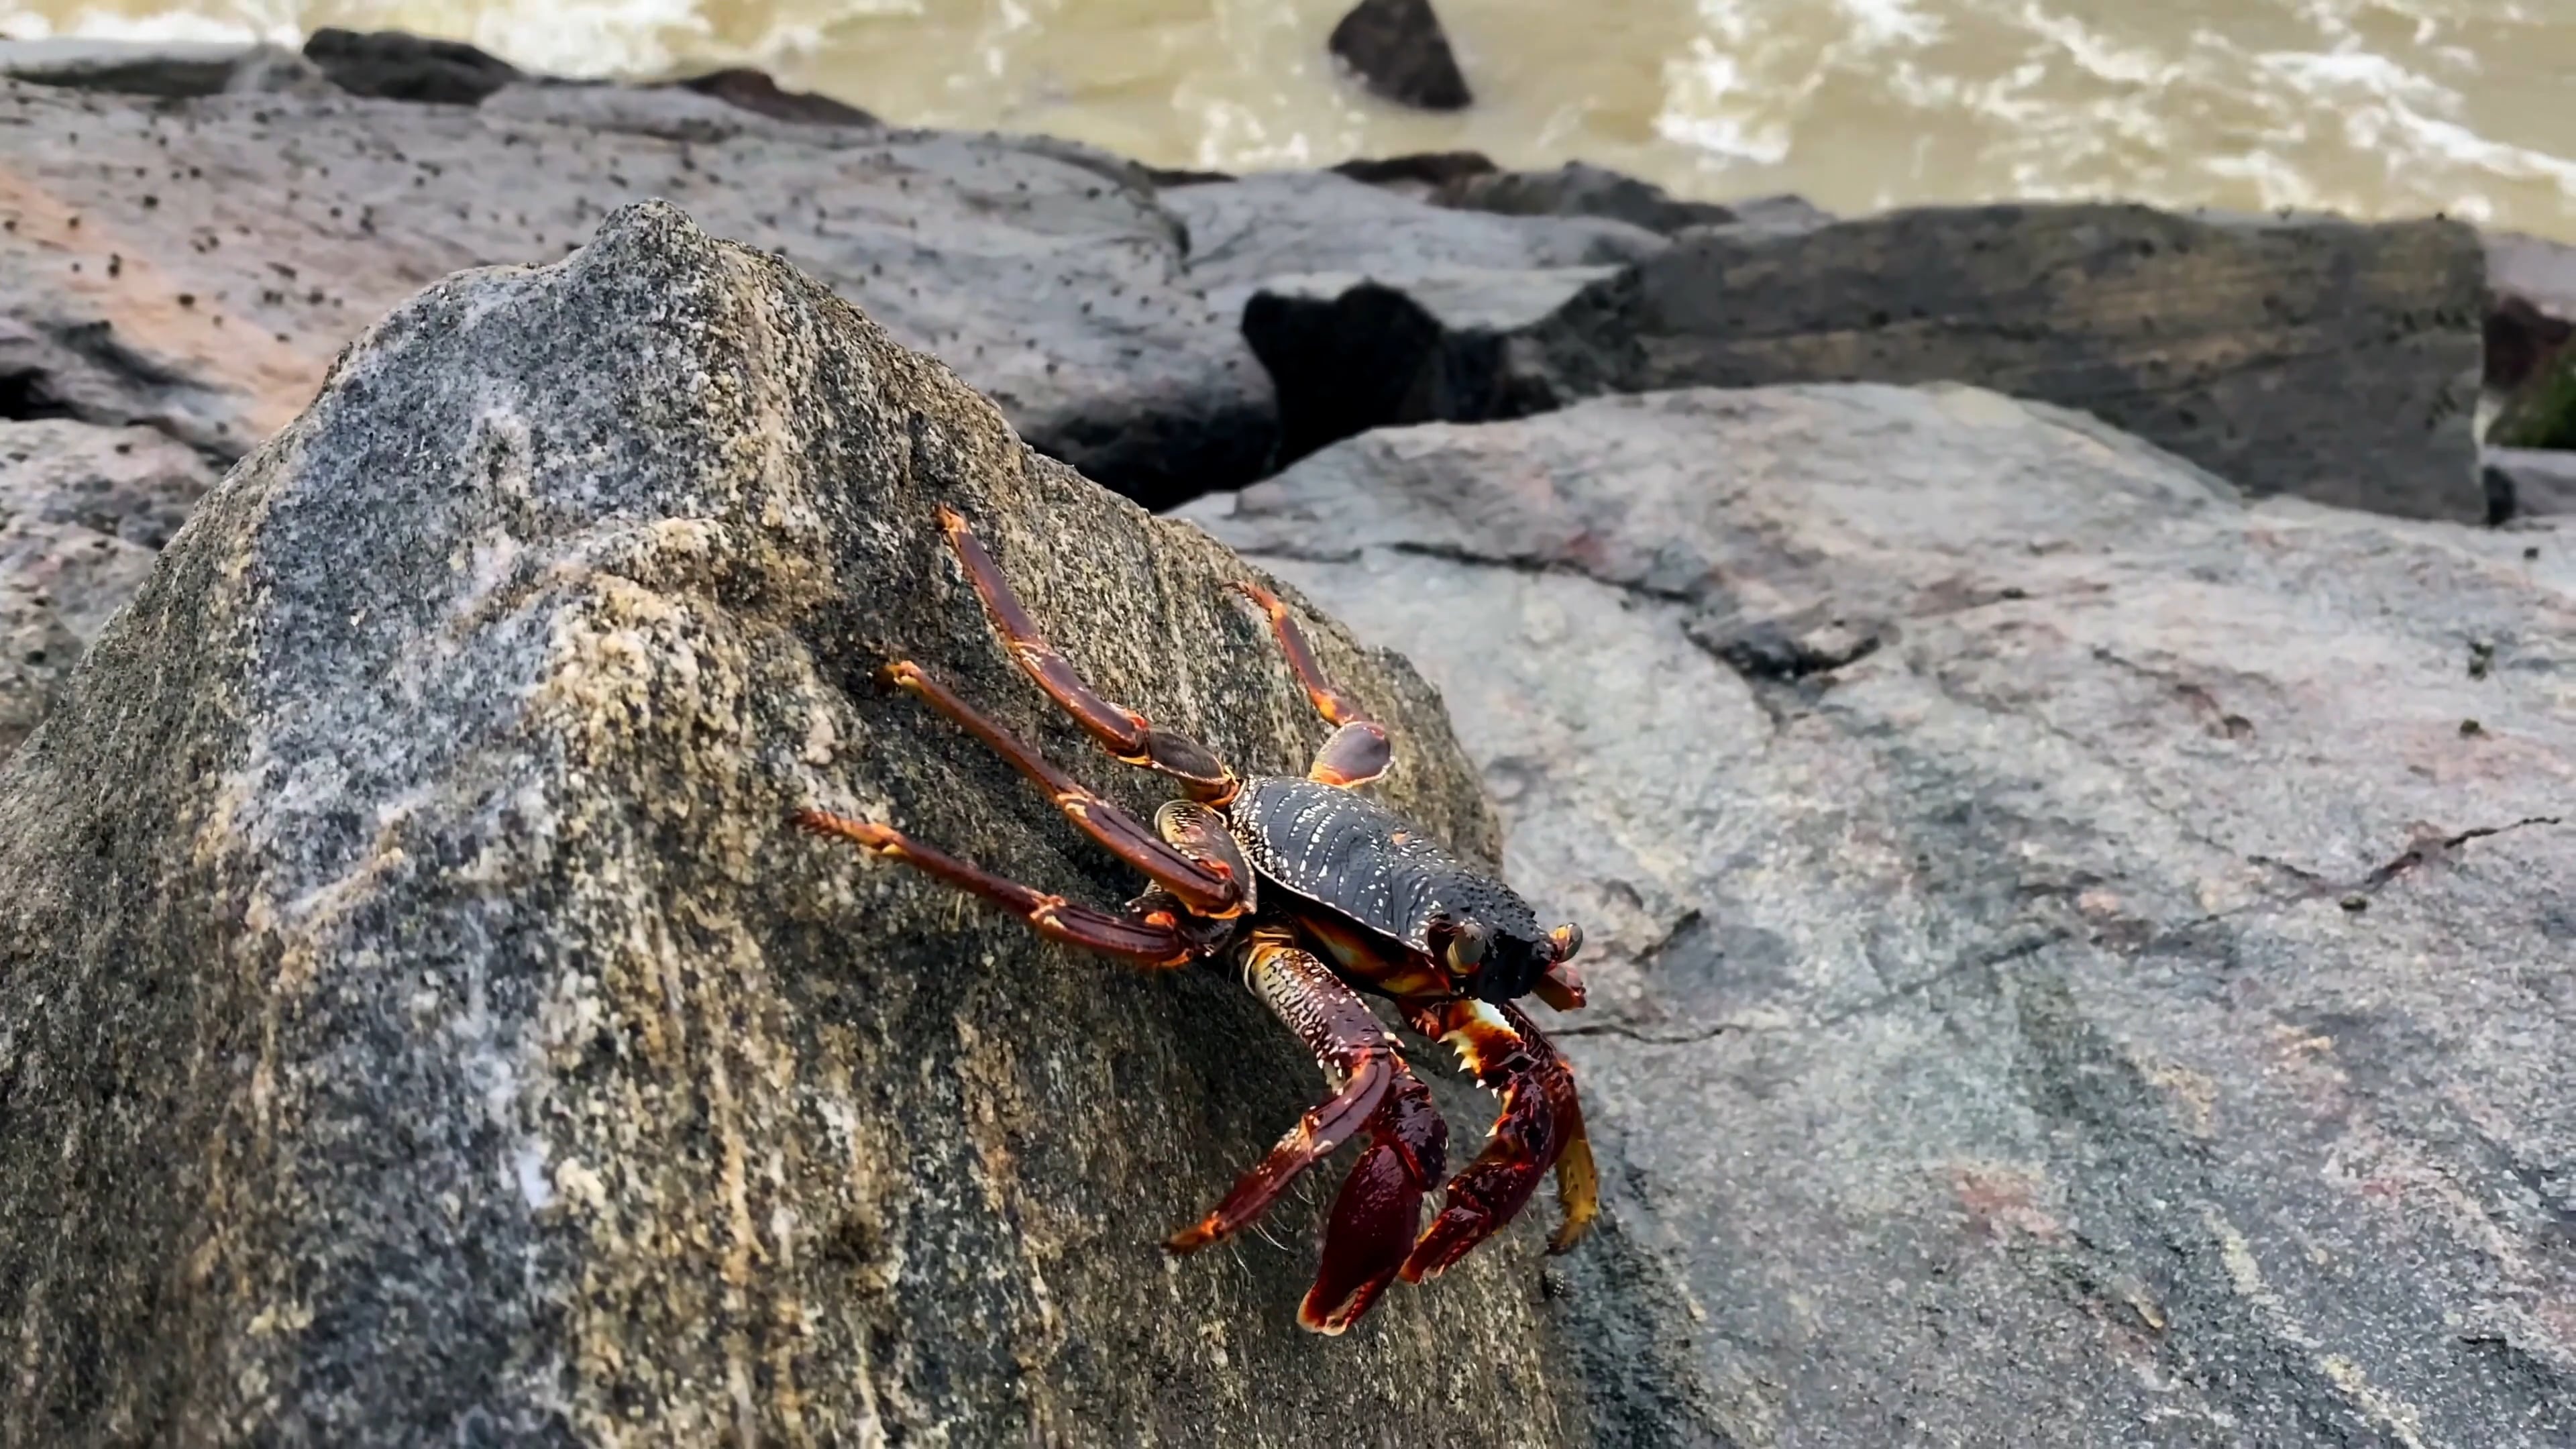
pixel 158 68
pixel 1290 223
pixel 1399 51
pixel 2534 482
pixel 1579 188
pixel 208 294
pixel 2126 1004
pixel 755 90
pixel 1349 353
pixel 417 1027
pixel 2326 358
pixel 83 510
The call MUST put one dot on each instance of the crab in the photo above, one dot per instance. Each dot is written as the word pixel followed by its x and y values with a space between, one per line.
pixel 1318 896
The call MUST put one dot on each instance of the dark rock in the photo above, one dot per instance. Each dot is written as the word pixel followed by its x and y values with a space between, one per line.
pixel 755 91
pixel 392 65
pixel 83 510
pixel 1399 51
pixel 2534 306
pixel 1347 354
pixel 1977 1028
pixel 2314 356
pixel 418 1027
pixel 1418 174
pixel 209 299
pixel 1291 223
pixel 161 68
pixel 1581 189
pixel 2530 482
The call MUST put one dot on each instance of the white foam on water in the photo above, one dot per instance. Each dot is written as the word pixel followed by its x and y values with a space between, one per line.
pixel 1709 106
pixel 184 26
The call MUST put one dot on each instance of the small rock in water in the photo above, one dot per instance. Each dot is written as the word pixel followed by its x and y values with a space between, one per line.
pixel 1399 51
pixel 403 67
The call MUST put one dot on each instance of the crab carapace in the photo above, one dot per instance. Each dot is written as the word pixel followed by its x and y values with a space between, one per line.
pixel 1315 893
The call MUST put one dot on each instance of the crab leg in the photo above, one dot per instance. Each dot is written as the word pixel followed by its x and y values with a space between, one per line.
pixel 1359 750
pixel 1211 883
pixel 1149 937
pixel 1540 1126
pixel 1380 1203
pixel 1125 734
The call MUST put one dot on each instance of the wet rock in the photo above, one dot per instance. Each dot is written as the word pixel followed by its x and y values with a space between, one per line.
pixel 207 295
pixel 755 91
pixel 83 511
pixel 397 66
pixel 1580 189
pixel 1978 1022
pixel 2533 311
pixel 1399 51
pixel 2528 482
pixel 161 68
pixel 1292 223
pixel 1417 174
pixel 397 926
pixel 1349 353
pixel 2315 356
pixel 2541 412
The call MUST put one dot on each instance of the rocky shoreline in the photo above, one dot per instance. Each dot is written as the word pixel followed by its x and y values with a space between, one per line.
pixel 2055 720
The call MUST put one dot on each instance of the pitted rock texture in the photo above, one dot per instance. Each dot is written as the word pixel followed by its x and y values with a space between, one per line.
pixel 418 1026
pixel 83 510
pixel 194 265
pixel 2076 959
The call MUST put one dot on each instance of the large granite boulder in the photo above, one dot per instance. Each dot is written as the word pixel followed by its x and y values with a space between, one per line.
pixel 416 1025
pixel 83 511
pixel 2076 959
pixel 195 265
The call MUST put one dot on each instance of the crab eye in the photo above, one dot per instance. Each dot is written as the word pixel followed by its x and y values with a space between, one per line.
pixel 1568 939
pixel 1468 947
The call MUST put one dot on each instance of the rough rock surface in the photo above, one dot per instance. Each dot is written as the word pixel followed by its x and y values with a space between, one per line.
pixel 168 69
pixel 415 1023
pixel 2062 958
pixel 395 66
pixel 83 510
pixel 1579 188
pixel 1289 223
pixel 196 265
pixel 1399 51
pixel 2330 359
pixel 1348 353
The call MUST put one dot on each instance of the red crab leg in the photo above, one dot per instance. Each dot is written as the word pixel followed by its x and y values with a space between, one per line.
pixel 1373 1219
pixel 1127 735
pixel 1150 938
pixel 1212 887
pixel 1359 751
pixel 1540 1122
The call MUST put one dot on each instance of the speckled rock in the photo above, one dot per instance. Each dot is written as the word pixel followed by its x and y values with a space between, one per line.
pixel 416 1026
pixel 2077 959
pixel 195 265
pixel 82 512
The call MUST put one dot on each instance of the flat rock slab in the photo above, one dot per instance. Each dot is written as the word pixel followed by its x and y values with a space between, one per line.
pixel 2334 360
pixel 417 1026
pixel 83 511
pixel 196 265
pixel 2062 955
pixel 1289 223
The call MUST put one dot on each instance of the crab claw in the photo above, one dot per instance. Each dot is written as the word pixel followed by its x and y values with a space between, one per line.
pixel 1540 1120
pixel 1380 1205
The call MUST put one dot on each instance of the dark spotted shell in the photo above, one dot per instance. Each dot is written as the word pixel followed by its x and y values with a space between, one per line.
pixel 1356 858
